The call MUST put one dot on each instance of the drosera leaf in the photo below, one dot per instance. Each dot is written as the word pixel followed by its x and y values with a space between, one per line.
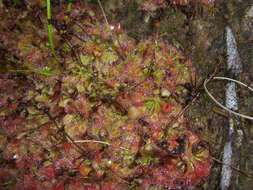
pixel 109 57
pixel 153 105
pixel 59 186
pixel 74 126
pixel 49 171
pixel 84 169
pixel 86 59
pixel 159 75
pixel 46 71
pixel 166 108
pixel 146 160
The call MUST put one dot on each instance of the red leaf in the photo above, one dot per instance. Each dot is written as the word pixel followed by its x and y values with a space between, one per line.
pixel 202 169
pixel 167 108
pixel 49 171
pixel 59 186
pixel 67 146
pixel 170 61
pixel 12 106
pixel 29 183
pixel 57 90
pixel 90 187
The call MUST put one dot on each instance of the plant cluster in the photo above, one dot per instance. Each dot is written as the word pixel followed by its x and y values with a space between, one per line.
pixel 100 112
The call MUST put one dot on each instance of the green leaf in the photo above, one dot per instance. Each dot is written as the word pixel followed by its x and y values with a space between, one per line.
pixel 46 71
pixel 86 59
pixel 109 57
pixel 152 105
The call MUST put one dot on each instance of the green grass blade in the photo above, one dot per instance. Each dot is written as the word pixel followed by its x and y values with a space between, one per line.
pixel 50 27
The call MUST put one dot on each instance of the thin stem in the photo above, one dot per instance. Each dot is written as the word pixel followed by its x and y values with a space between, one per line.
pixel 232 167
pixel 109 27
pixel 103 12
pixel 69 6
pixel 50 27
pixel 100 142
pixel 66 135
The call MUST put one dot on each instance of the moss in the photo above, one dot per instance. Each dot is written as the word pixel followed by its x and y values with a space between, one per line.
pixel 172 24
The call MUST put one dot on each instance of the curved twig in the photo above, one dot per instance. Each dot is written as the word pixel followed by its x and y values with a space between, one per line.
pixel 222 106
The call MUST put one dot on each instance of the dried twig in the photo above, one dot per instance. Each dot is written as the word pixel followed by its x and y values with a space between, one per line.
pixel 100 142
pixel 232 167
pixel 76 55
pixel 109 27
pixel 194 98
pixel 224 107
pixel 79 148
pixel 103 12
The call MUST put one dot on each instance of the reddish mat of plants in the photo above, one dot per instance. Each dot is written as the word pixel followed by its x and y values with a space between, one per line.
pixel 103 114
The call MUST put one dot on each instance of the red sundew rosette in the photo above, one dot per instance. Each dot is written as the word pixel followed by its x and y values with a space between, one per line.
pixel 197 157
pixel 185 169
